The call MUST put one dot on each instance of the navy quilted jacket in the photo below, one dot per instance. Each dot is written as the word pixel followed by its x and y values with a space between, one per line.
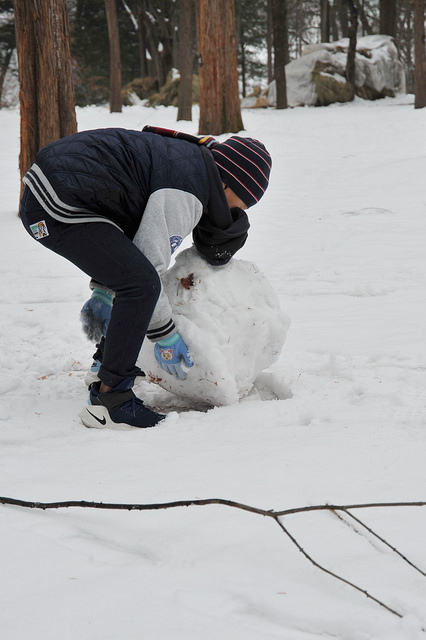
pixel 156 189
pixel 111 173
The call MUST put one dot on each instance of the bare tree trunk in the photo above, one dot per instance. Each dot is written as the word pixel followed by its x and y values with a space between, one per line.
pixel 139 27
pixel 46 91
pixel 350 63
pixel 185 61
pixel 269 43
pixel 165 24
pixel 366 27
pixel 115 102
pixel 325 20
pixel 388 17
pixel 3 71
pixel 142 43
pixel 242 46
pixel 159 27
pixel 419 55
pixel 220 109
pixel 341 14
pixel 279 31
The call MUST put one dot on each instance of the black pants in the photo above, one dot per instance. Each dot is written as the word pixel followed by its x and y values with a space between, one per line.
pixel 109 257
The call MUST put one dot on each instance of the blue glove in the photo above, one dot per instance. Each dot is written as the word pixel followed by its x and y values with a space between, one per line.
pixel 96 313
pixel 169 354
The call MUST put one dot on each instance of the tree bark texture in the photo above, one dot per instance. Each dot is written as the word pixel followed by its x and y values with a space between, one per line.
pixel 366 26
pixel 185 61
pixel 339 19
pixel 388 17
pixel 325 20
pixel 115 102
pixel 142 42
pixel 269 43
pixel 279 31
pixel 46 91
pixel 242 52
pixel 159 22
pixel 350 63
pixel 3 70
pixel 419 55
pixel 220 109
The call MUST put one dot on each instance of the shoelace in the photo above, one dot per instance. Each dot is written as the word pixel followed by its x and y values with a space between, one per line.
pixel 135 402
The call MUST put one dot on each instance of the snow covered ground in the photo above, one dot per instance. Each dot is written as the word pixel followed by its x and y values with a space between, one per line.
pixel 341 237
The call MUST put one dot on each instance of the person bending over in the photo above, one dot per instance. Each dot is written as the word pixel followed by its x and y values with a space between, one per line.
pixel 117 203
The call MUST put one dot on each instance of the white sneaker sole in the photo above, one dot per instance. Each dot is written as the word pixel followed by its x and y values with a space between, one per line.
pixel 97 417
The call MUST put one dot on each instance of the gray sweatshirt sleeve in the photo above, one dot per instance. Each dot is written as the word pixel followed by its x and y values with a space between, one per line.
pixel 170 215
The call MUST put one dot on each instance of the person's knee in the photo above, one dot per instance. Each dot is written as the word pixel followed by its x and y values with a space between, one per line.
pixel 143 286
pixel 152 283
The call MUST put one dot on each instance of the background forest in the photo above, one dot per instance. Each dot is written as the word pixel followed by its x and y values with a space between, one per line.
pixel 149 40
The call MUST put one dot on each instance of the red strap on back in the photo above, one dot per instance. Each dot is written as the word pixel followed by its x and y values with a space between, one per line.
pixel 206 141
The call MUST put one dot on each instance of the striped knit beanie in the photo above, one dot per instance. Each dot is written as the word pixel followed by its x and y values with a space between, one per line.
pixel 244 165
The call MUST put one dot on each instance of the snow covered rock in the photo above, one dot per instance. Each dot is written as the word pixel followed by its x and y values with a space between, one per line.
pixel 232 323
pixel 318 76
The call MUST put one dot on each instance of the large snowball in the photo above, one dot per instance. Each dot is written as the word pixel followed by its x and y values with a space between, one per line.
pixel 231 320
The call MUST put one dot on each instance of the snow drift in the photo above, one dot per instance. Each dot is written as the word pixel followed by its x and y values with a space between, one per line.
pixel 318 77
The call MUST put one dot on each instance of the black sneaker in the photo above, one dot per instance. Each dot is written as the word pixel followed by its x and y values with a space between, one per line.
pixel 118 409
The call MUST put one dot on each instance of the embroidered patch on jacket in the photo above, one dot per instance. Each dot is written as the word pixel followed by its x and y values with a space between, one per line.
pixel 39 230
pixel 175 242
